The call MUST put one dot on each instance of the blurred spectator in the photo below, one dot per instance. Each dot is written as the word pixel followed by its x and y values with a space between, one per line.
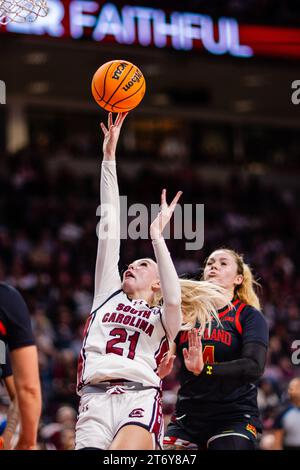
pixel 60 435
pixel 267 397
pixel 287 424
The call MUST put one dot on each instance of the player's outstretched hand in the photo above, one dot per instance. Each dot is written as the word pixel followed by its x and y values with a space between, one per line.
pixel 166 365
pixel 111 134
pixel 164 215
pixel 193 356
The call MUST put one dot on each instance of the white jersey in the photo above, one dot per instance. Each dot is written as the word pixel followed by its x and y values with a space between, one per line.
pixel 125 339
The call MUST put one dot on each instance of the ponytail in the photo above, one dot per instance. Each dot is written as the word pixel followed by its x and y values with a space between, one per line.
pixel 245 292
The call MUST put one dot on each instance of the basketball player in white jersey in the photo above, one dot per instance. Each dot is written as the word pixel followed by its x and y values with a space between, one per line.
pixel 126 335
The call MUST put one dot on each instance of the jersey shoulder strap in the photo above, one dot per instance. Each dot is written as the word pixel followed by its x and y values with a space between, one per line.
pixel 106 300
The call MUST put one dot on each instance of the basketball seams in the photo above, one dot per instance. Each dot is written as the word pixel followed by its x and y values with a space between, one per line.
pixel 120 83
pixel 130 96
pixel 104 84
pixel 103 81
pixel 106 103
pixel 94 86
pixel 112 106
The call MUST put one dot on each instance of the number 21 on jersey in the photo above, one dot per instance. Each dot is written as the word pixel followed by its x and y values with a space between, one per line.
pixel 121 336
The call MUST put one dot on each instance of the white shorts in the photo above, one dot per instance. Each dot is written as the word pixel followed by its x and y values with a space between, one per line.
pixel 102 415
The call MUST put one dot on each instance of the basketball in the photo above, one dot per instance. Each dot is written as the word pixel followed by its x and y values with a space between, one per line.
pixel 118 86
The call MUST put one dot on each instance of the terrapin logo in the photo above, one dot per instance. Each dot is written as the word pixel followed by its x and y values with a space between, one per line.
pixel 137 413
pixel 135 79
pixel 119 70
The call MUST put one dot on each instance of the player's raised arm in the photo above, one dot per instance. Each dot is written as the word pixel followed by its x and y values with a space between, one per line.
pixel 107 277
pixel 169 281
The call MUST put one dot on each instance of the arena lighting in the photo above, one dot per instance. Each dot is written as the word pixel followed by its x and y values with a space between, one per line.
pixel 138 25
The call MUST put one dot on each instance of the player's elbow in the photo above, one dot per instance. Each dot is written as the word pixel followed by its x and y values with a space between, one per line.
pixel 255 371
pixel 173 320
pixel 173 303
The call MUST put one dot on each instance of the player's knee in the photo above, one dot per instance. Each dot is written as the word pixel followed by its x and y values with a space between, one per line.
pixel 133 437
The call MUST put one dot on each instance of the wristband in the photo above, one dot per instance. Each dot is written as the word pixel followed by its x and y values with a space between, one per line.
pixel 1 443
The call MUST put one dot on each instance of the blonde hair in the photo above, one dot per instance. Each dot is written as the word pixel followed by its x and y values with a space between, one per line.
pixel 200 302
pixel 245 291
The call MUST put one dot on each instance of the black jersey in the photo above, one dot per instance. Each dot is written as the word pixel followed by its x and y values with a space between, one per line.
pixel 15 325
pixel 212 397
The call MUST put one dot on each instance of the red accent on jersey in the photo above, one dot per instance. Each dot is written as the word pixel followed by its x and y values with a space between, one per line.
pixel 209 354
pixel 162 350
pixel 2 329
pixel 170 440
pixel 237 318
pixel 156 424
pixel 81 359
pixel 229 308
pixel 183 337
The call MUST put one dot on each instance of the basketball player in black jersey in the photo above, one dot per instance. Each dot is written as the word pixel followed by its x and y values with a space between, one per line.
pixel 217 401
pixel 16 334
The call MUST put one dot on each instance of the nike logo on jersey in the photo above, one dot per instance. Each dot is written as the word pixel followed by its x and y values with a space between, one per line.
pixel 178 418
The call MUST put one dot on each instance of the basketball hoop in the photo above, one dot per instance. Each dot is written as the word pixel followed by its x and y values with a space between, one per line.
pixel 22 11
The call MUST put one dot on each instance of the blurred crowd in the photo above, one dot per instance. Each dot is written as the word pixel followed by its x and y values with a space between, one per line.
pixel 279 11
pixel 48 250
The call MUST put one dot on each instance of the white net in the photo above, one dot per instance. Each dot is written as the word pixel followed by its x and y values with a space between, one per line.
pixel 22 10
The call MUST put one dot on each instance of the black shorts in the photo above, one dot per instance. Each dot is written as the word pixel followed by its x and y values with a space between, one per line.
pixel 180 434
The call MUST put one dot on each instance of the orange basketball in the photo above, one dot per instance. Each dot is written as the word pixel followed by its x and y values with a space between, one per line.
pixel 118 86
